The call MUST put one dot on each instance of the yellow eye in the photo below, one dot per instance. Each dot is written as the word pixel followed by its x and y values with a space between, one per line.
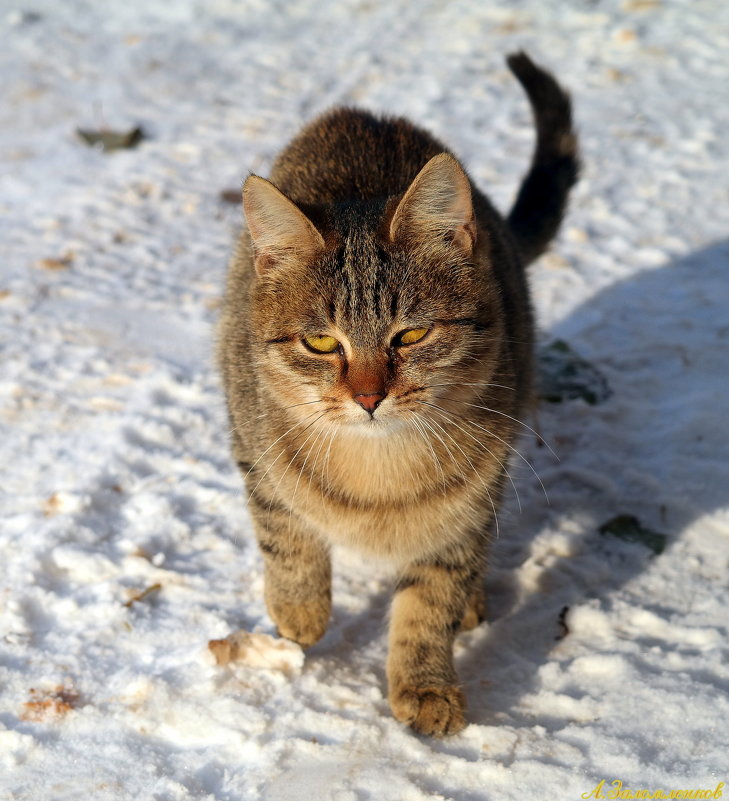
pixel 411 336
pixel 321 344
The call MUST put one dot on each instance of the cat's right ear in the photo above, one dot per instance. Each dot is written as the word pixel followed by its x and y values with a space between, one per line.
pixel 437 207
pixel 281 233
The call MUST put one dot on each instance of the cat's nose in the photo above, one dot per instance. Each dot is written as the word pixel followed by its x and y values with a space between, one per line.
pixel 369 401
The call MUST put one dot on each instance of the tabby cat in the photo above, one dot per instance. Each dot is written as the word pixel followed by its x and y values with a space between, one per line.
pixel 376 352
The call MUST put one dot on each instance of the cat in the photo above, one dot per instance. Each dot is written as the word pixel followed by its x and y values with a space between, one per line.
pixel 375 346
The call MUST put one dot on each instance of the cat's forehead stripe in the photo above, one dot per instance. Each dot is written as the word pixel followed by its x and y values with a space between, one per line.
pixel 362 279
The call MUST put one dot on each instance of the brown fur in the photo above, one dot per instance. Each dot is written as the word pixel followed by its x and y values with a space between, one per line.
pixel 370 227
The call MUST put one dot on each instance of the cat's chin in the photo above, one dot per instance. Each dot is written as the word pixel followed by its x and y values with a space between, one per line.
pixel 374 426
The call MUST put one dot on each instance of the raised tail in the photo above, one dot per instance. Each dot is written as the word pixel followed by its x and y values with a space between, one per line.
pixel 542 199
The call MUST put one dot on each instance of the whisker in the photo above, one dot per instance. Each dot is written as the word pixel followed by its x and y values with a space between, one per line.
pixel 329 453
pixel 482 339
pixel 430 425
pixel 469 384
pixel 503 414
pixel 268 413
pixel 476 473
pixel 280 454
pixel 316 458
pixel 320 435
pixel 423 434
pixel 295 425
pixel 286 469
pixel 495 458
pixel 496 436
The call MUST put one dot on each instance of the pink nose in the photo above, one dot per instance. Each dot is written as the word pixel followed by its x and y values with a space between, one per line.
pixel 369 401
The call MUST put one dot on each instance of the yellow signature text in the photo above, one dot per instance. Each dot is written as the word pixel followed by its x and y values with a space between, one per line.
pixel 616 790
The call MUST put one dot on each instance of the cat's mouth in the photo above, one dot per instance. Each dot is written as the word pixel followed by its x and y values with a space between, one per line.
pixel 374 413
pixel 382 421
pixel 376 419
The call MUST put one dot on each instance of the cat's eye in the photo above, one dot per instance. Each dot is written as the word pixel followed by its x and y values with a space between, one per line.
pixel 323 344
pixel 410 337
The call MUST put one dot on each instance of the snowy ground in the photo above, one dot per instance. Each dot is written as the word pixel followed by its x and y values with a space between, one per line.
pixel 116 474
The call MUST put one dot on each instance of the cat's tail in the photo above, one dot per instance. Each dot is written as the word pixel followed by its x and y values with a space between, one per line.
pixel 542 199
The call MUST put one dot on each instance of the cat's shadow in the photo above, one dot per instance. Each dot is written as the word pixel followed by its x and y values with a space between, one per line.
pixel 656 449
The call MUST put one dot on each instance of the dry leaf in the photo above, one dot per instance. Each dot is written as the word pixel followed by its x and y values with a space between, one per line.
pixel 259 651
pixel 231 196
pixel 52 505
pixel 55 703
pixel 640 5
pixel 564 629
pixel 61 502
pixel 112 140
pixel 57 264
pixel 564 375
pixel 630 529
pixel 140 596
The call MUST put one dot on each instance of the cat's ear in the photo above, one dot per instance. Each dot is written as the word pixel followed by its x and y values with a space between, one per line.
pixel 437 206
pixel 280 231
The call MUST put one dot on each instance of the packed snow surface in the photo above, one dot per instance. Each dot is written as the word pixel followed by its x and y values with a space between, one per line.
pixel 125 545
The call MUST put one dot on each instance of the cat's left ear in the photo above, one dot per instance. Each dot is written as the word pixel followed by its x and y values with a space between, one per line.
pixel 437 206
pixel 280 231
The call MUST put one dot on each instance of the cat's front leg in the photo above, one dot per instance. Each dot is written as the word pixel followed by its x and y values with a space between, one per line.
pixel 297 574
pixel 432 599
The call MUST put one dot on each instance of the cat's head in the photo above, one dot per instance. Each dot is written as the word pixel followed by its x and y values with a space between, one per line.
pixel 367 312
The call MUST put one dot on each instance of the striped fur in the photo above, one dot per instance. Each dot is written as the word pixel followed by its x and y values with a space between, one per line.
pixel 369 227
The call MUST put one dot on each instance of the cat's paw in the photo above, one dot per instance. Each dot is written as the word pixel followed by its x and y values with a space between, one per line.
pixel 435 711
pixel 303 623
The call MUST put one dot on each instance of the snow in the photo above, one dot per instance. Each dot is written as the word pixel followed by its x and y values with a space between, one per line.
pixel 115 464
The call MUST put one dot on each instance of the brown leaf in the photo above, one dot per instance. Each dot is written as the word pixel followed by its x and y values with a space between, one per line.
pixel 62 263
pixel 112 140
pixel 140 596
pixel 641 5
pixel 258 650
pixel 224 651
pixel 630 529
pixel 231 196
pixel 52 505
pixel 55 703
pixel 564 375
pixel 562 622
